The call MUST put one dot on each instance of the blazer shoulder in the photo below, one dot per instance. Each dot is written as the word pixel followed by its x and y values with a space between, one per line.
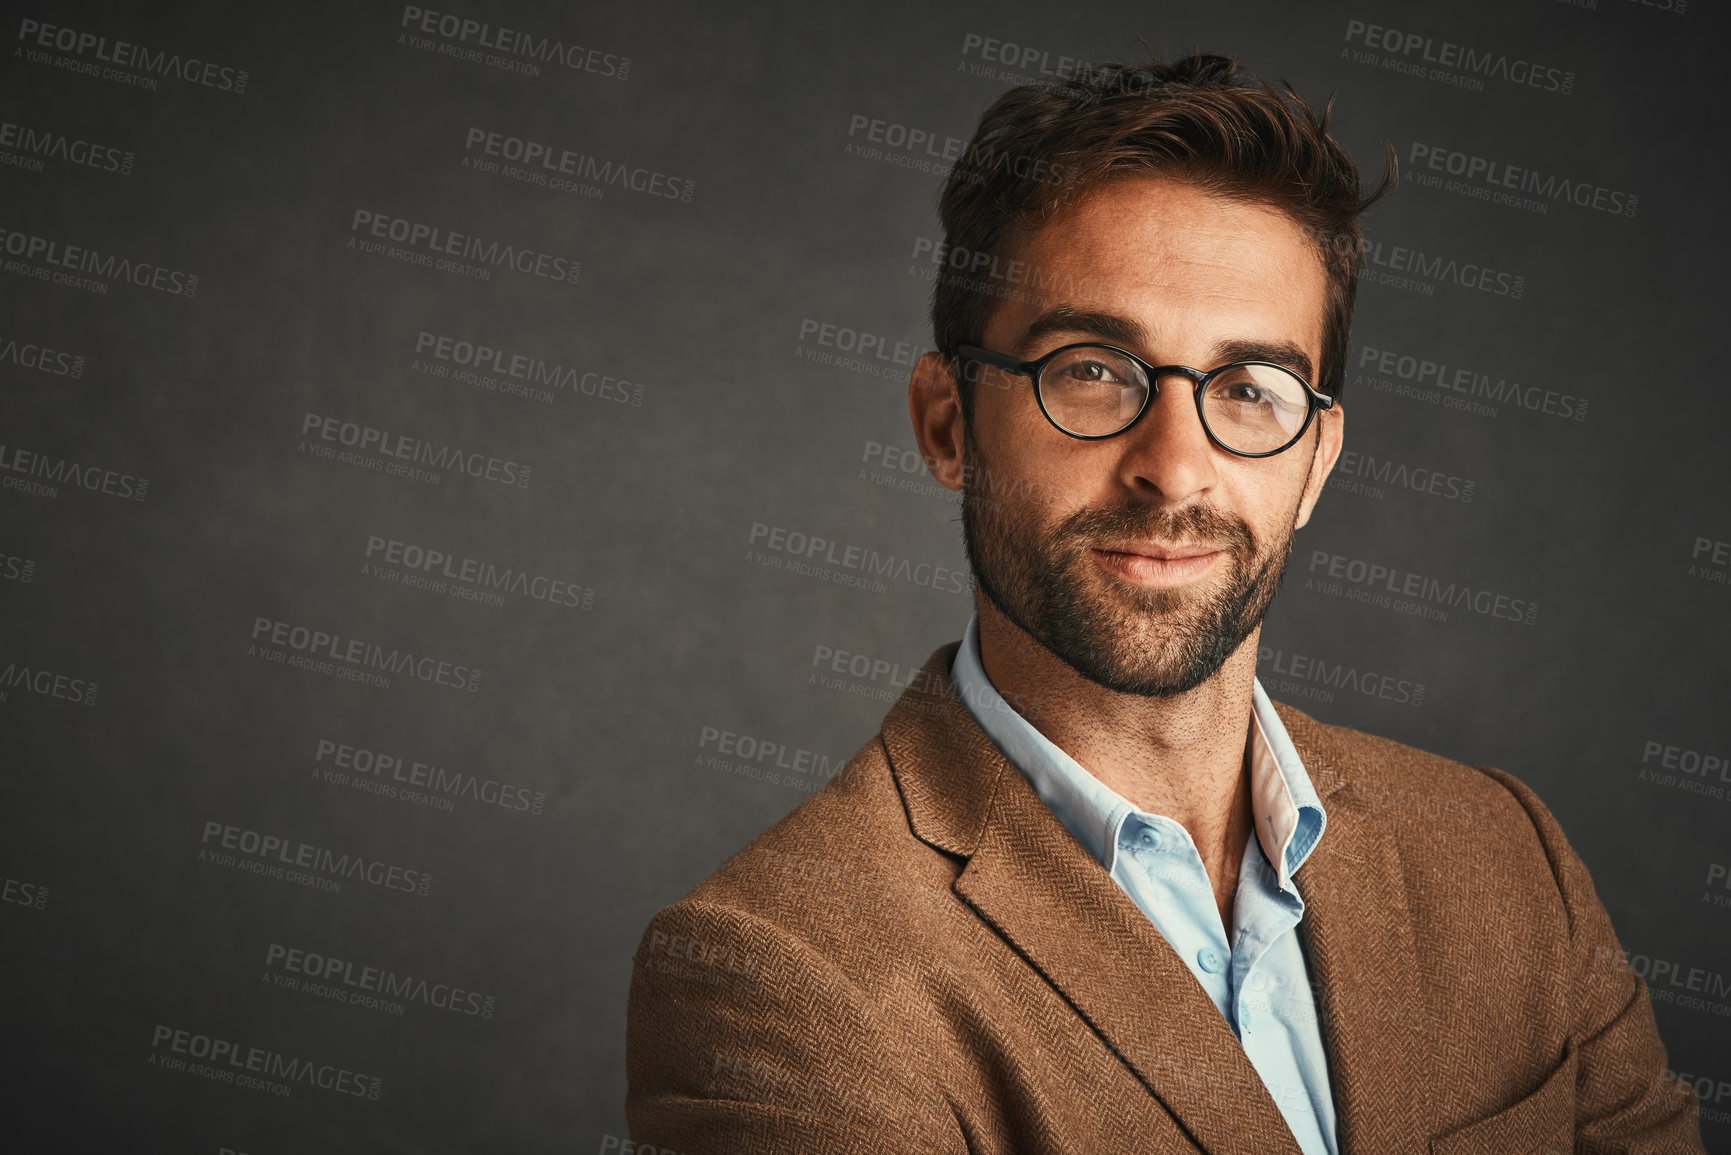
pixel 1416 788
pixel 776 991
pixel 846 855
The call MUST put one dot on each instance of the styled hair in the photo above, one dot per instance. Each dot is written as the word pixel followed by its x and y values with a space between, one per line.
pixel 1041 147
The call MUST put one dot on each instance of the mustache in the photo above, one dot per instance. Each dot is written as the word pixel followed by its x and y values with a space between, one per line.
pixel 1200 524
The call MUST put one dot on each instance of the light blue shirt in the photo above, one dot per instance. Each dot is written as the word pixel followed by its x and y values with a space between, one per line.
pixel 1257 978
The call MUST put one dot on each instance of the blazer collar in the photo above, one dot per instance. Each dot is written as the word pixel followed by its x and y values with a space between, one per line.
pixel 1030 880
pixel 948 769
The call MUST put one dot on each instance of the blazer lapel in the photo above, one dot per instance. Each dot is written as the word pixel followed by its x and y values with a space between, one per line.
pixel 1359 941
pixel 1059 909
pixel 1063 913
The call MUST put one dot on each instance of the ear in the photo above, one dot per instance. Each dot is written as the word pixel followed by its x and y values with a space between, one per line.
pixel 936 408
pixel 1330 434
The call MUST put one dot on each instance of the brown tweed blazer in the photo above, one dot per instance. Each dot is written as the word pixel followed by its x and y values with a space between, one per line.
pixel 920 958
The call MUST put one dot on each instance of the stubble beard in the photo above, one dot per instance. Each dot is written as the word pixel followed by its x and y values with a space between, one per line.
pixel 1156 643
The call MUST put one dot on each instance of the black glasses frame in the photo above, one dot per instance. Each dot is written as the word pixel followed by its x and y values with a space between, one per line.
pixel 1199 381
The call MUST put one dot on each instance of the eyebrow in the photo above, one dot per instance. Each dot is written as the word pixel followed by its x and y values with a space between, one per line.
pixel 1133 335
pixel 1068 319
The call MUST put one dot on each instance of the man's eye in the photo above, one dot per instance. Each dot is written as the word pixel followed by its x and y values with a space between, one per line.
pixel 1091 371
pixel 1246 392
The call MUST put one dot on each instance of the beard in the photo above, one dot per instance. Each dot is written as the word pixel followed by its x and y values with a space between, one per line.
pixel 1156 643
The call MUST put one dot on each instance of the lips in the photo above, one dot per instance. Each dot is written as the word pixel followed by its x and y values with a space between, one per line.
pixel 1159 552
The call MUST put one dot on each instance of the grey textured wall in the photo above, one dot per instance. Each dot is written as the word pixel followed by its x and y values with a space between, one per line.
pixel 467 700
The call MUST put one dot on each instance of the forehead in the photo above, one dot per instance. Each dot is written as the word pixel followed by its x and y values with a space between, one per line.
pixel 1180 259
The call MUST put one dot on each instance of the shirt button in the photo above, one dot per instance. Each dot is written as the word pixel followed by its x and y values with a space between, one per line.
pixel 1149 838
pixel 1209 960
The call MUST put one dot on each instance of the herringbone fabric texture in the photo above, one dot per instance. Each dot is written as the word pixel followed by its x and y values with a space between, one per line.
pixel 920 958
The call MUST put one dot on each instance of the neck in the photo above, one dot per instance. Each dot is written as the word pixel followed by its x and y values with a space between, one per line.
pixel 1183 757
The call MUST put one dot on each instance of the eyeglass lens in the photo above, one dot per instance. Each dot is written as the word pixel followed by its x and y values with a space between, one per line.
pixel 1095 392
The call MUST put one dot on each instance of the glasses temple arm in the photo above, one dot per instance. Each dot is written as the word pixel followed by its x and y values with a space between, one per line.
pixel 1001 360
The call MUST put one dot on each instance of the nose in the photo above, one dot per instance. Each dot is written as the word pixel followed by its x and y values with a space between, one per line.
pixel 1168 457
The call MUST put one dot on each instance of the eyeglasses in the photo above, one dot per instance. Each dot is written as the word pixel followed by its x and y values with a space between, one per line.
pixel 1092 392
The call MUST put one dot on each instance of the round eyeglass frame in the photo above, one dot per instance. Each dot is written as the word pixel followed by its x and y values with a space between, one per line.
pixel 1199 380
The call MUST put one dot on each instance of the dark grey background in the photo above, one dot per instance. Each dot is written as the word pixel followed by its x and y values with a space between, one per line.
pixel 605 710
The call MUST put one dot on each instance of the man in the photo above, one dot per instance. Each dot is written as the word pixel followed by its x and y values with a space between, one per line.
pixel 1144 908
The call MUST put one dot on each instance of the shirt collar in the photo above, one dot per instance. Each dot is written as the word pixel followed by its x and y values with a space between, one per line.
pixel 1289 814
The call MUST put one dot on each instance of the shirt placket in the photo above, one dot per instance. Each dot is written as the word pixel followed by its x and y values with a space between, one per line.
pixel 1158 865
pixel 1261 913
pixel 1265 914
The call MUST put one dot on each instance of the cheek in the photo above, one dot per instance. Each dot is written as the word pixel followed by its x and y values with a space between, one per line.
pixel 1268 502
pixel 1010 427
pixel 1033 458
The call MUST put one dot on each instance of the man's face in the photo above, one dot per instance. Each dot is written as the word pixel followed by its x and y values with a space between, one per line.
pixel 1144 561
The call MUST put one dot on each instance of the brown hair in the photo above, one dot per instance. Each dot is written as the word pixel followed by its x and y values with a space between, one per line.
pixel 1040 147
